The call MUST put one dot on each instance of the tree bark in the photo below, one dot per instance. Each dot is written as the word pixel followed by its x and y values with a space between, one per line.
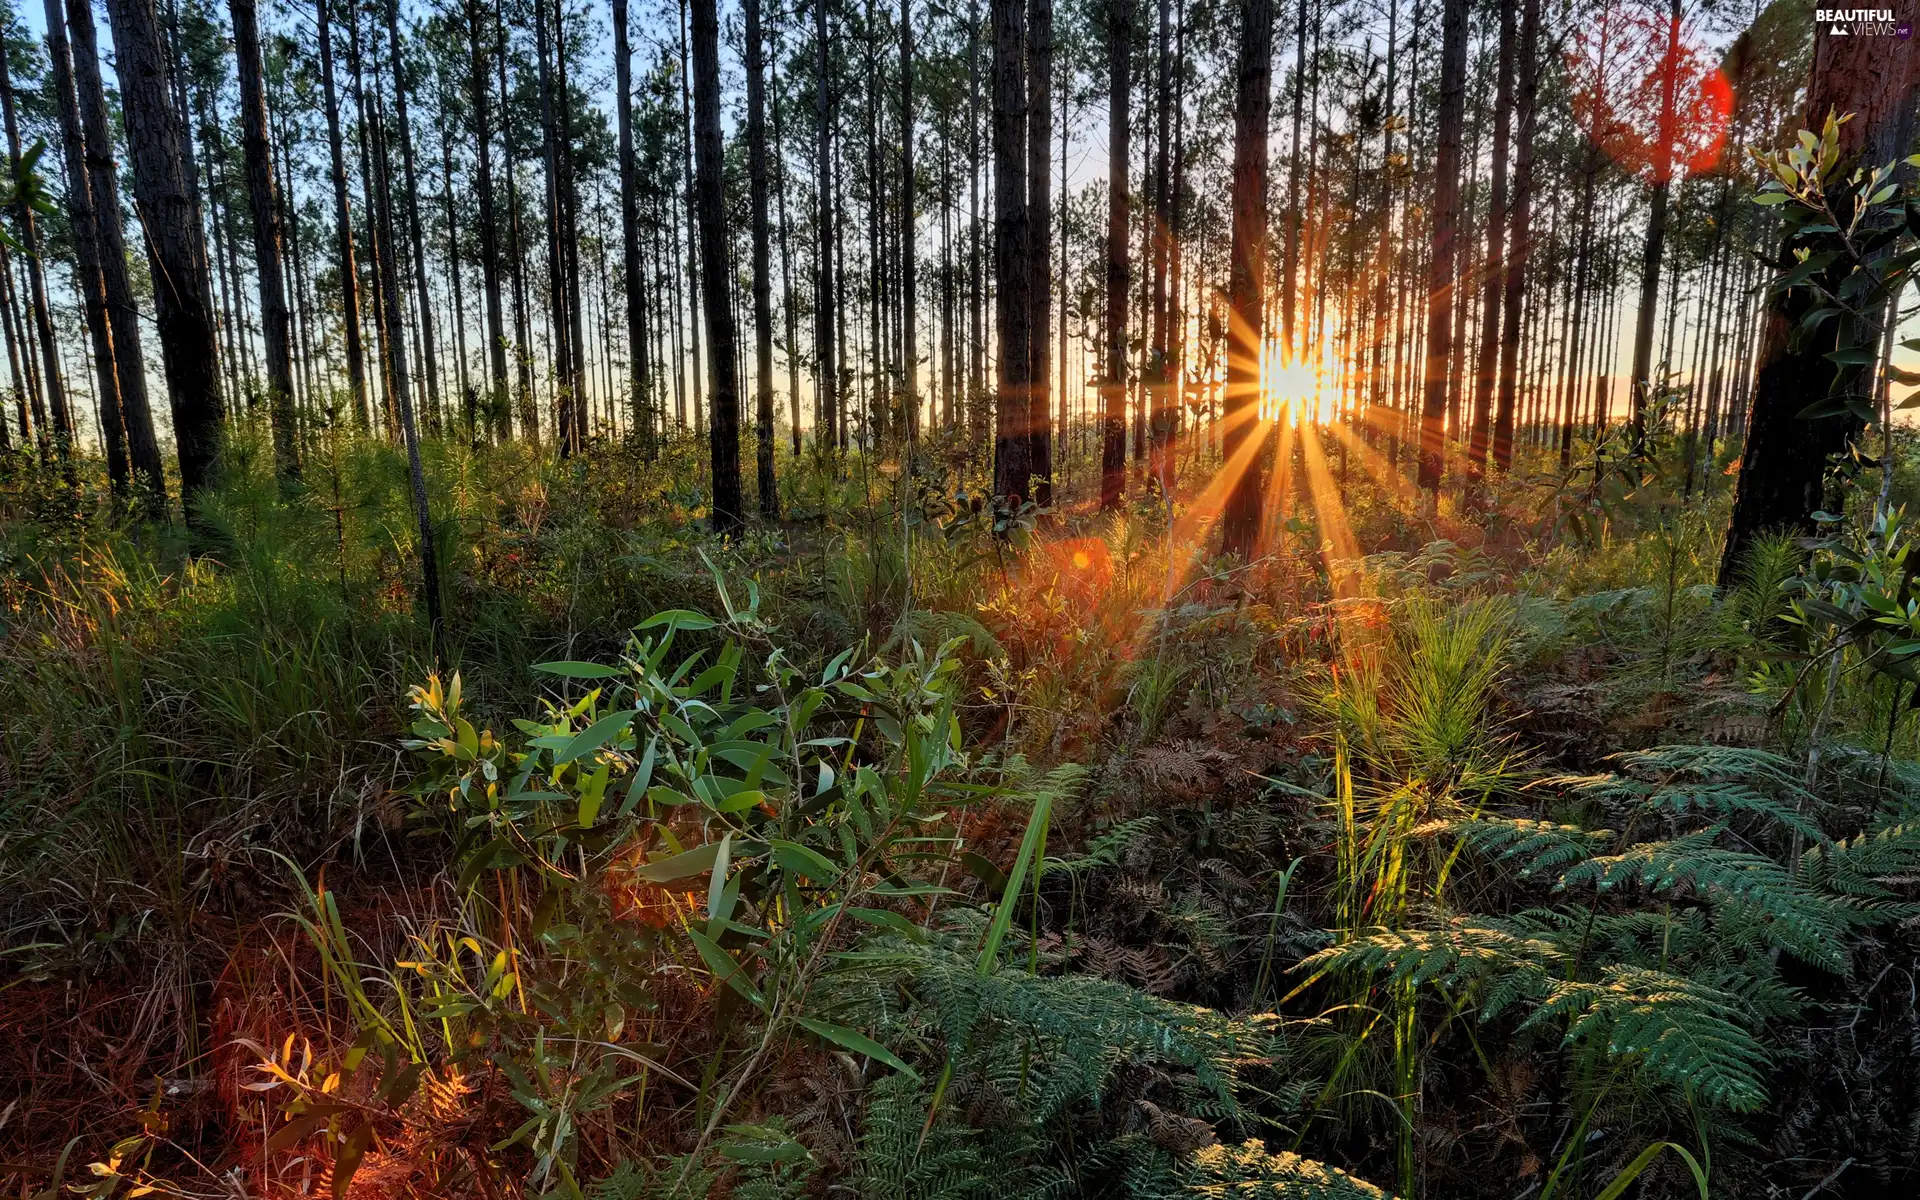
pixel 1655 245
pixel 1446 220
pixel 909 257
pixel 168 203
pixel 1783 468
pixel 86 254
pixel 28 224
pixel 1113 391
pixel 343 228
pixel 1246 327
pixel 1039 257
pixel 724 428
pixel 1494 275
pixel 1520 252
pixel 123 317
pixel 1013 314
pixel 762 265
pixel 263 194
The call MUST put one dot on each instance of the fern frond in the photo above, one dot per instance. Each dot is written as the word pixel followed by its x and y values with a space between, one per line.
pixel 1677 1029
pixel 1805 924
pixel 1541 846
pixel 1249 1172
pixel 1868 866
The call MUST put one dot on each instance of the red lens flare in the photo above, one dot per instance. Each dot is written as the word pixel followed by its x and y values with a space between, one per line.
pixel 1647 94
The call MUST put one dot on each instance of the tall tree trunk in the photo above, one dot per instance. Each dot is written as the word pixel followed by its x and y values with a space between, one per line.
pixel 343 228
pixel 123 317
pixel 1783 468
pixel 478 97
pixel 1446 220
pixel 630 228
pixel 909 255
pixel 1246 290
pixel 827 379
pixel 86 254
pixel 576 381
pixel 552 150
pixel 428 351
pixel 1519 254
pixel 762 266
pixel 787 306
pixel 263 194
pixel 1113 388
pixel 169 208
pixel 1039 257
pixel 1493 272
pixel 724 429
pixel 1655 245
pixel 28 225
pixel 1013 313
pixel 1290 287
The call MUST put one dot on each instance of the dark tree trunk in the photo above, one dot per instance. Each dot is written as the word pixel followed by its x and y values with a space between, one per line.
pixel 630 230
pixel 1039 257
pixel 1446 220
pixel 1113 391
pixel 1013 314
pixel 1655 246
pixel 909 256
pixel 1493 272
pixel 724 429
pixel 123 318
pixel 479 94
pixel 826 382
pixel 1289 288
pixel 1519 254
pixel 169 205
pixel 1783 468
pixel 1246 327
pixel 762 269
pixel 86 254
pixel 28 225
pixel 343 228
pixel 423 297
pixel 263 193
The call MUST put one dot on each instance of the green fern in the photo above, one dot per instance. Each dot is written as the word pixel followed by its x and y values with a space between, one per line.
pixel 1249 1172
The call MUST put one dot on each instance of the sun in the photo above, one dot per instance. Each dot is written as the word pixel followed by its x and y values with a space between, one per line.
pixel 1292 392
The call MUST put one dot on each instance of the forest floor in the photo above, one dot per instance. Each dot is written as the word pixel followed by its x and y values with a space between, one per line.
pixel 875 852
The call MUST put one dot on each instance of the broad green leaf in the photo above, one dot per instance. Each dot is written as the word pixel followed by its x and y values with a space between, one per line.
pixel 580 670
pixel 681 866
pixel 594 736
pixel 726 968
pixel 859 1043
pixel 794 857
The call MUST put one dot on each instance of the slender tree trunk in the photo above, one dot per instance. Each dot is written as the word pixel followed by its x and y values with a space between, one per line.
pixel 787 305
pixel 827 379
pixel 909 255
pixel 1013 312
pixel 1446 220
pixel 263 193
pixel 26 221
pixel 1290 287
pixel 123 317
pixel 169 208
pixel 343 228
pixel 1519 255
pixel 724 439
pixel 630 226
pixel 1655 246
pixel 86 253
pixel 1246 327
pixel 1493 272
pixel 1113 390
pixel 762 266
pixel 1039 258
